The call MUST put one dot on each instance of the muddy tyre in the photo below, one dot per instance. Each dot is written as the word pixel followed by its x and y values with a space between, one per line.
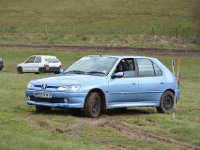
pixel 42 108
pixel 166 103
pixel 19 70
pixel 92 106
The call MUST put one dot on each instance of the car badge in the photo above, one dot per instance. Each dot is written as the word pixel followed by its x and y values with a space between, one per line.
pixel 44 86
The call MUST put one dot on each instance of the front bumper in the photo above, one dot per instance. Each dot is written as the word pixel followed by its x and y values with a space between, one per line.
pixel 75 100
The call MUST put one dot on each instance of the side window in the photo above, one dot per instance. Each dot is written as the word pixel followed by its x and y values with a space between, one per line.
pixel 145 67
pixel 38 59
pixel 158 71
pixel 128 67
pixel 31 60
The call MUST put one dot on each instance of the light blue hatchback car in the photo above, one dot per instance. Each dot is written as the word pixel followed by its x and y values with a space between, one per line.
pixel 99 82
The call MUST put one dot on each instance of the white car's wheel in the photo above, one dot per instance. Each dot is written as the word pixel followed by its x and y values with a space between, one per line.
pixel 41 70
pixel 19 70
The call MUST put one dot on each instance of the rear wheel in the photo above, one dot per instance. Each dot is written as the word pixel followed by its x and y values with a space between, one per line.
pixel 56 72
pixel 42 108
pixel 166 103
pixel 19 70
pixel 41 70
pixel 92 106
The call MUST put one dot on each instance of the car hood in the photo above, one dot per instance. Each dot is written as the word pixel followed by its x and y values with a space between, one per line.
pixel 20 64
pixel 67 79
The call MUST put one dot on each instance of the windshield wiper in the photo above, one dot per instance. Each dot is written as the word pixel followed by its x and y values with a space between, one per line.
pixel 95 72
pixel 76 71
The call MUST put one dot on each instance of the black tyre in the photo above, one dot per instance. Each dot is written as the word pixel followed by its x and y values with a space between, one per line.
pixel 42 108
pixel 56 72
pixel 166 103
pixel 92 106
pixel 41 70
pixel 19 70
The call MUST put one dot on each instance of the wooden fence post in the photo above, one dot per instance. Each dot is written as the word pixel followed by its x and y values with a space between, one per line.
pixel 198 35
pixel 2 29
pixel 176 32
pixel 46 30
pixel 153 34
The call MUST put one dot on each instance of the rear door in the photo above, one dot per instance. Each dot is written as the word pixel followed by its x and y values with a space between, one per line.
pixel 151 81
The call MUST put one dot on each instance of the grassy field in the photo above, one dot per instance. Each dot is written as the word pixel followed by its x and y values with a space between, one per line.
pixel 139 128
pixel 138 23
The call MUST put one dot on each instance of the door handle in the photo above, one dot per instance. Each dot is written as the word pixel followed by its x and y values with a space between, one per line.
pixel 161 82
pixel 133 83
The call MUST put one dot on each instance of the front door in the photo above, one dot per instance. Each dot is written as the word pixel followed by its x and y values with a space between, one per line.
pixel 124 89
pixel 29 64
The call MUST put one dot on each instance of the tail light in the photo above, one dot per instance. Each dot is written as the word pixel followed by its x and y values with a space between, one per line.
pixel 46 66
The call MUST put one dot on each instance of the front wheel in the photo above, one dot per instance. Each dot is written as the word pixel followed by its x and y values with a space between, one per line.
pixel 19 70
pixel 166 103
pixel 92 106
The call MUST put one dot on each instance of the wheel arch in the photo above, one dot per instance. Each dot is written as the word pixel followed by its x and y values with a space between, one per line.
pixel 20 67
pixel 171 90
pixel 102 95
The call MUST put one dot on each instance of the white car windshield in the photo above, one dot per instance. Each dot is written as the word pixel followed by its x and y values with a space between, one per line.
pixel 92 65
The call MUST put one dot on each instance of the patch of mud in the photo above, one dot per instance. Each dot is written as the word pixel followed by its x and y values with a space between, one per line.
pixel 111 123
pixel 125 130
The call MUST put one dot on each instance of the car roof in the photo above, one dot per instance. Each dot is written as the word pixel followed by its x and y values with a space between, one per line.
pixel 123 56
pixel 45 55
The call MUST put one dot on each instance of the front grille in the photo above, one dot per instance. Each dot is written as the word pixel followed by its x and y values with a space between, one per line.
pixel 49 100
pixel 52 87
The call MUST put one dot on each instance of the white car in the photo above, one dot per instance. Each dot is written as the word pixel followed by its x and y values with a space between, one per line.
pixel 40 64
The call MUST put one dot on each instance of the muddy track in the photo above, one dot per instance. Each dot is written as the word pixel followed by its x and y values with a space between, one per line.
pixel 127 131
pixel 111 124
pixel 151 51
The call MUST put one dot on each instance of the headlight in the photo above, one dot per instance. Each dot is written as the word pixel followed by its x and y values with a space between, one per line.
pixel 30 85
pixel 73 88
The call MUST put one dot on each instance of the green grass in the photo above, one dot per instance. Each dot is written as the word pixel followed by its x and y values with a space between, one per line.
pixel 105 22
pixel 22 128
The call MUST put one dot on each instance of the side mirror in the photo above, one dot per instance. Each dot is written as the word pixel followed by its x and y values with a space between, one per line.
pixel 118 75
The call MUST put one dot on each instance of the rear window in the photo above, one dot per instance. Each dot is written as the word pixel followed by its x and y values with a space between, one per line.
pixel 52 60
pixel 145 67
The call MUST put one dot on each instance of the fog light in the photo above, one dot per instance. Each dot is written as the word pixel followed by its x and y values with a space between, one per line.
pixel 28 97
pixel 66 100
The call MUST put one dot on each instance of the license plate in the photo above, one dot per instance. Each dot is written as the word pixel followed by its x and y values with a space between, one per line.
pixel 43 95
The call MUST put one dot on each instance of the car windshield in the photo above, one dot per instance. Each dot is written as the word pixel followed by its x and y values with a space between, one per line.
pixel 92 65
pixel 51 60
